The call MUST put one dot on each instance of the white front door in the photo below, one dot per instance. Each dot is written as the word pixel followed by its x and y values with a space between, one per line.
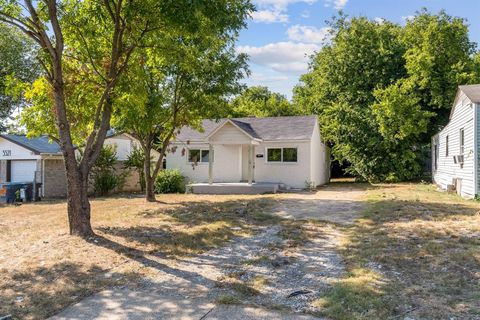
pixel 23 170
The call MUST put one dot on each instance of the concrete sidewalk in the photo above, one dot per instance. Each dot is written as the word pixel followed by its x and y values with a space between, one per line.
pixel 120 304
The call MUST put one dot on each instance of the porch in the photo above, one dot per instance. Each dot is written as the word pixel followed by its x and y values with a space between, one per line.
pixel 234 188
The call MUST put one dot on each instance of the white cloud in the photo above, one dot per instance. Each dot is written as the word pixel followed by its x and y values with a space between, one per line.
pixel 337 4
pixel 267 16
pixel 379 20
pixel 261 77
pixel 286 56
pixel 271 11
pixel 308 34
pixel 305 14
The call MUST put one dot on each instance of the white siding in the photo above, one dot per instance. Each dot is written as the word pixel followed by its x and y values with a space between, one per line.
pixel 463 117
pixel 320 159
pixel 12 151
pixel 124 145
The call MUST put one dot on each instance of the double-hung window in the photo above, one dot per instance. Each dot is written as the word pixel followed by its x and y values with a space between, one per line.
pixel 198 155
pixel 278 155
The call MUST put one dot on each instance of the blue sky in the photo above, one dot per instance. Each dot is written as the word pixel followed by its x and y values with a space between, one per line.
pixel 282 33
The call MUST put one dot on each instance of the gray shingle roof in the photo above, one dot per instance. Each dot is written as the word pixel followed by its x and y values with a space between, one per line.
pixel 267 129
pixel 38 145
pixel 472 91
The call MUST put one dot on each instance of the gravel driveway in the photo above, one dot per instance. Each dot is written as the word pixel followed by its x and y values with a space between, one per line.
pixel 251 278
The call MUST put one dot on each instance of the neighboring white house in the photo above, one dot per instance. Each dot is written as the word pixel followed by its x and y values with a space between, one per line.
pixel 455 149
pixel 40 160
pixel 286 150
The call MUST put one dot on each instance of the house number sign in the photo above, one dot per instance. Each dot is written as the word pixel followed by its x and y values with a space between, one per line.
pixel 6 153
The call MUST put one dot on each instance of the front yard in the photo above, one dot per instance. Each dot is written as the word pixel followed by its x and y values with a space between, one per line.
pixel 358 251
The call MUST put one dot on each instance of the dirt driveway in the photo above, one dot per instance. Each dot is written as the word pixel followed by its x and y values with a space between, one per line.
pixel 277 273
pixel 338 203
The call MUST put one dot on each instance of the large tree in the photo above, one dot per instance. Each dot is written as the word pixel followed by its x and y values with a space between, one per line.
pixel 85 48
pixel 17 61
pixel 178 81
pixel 259 101
pixel 382 89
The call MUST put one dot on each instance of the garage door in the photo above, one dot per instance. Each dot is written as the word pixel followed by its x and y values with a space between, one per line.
pixel 23 170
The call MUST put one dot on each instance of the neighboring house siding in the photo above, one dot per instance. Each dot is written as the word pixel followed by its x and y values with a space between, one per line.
pixel 54 179
pixel 447 170
pixel 124 145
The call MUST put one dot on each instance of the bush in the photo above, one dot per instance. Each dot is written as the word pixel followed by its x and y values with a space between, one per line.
pixel 104 177
pixel 170 181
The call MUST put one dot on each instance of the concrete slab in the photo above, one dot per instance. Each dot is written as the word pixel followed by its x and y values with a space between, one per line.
pixel 233 188
pixel 125 304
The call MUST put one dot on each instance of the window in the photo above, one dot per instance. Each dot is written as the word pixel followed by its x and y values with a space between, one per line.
pixel 446 146
pixel 462 141
pixel 281 154
pixel 274 155
pixel 289 154
pixel 198 155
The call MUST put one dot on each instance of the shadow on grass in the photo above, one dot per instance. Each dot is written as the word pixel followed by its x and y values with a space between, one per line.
pixel 410 258
pixel 41 292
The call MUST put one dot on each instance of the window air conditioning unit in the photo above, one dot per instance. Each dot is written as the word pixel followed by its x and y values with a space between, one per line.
pixel 458 159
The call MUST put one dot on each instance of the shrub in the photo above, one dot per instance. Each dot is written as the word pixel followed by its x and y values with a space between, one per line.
pixel 104 177
pixel 170 181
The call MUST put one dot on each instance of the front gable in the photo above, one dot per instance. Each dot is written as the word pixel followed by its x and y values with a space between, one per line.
pixel 13 151
pixel 229 133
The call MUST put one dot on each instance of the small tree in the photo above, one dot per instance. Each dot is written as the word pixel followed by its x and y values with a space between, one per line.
pixel 104 176
pixel 136 161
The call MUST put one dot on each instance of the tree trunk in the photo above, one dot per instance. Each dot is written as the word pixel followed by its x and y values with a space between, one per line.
pixel 149 180
pixel 78 207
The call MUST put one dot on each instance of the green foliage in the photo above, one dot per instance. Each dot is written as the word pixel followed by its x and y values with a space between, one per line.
pixel 260 102
pixel 381 90
pixel 170 181
pixel 136 161
pixel 104 177
pixel 17 61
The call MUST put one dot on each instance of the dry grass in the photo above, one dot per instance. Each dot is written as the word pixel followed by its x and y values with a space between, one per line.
pixel 414 253
pixel 43 269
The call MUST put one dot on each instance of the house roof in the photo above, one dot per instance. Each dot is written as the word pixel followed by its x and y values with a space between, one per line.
pixel 38 145
pixel 472 91
pixel 267 129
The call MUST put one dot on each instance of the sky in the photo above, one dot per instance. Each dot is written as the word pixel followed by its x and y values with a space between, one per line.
pixel 282 34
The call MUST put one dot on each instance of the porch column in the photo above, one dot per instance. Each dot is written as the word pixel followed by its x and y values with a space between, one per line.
pixel 210 163
pixel 250 163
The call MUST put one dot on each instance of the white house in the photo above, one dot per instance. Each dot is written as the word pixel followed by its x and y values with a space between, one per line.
pixel 40 160
pixel 280 150
pixel 455 149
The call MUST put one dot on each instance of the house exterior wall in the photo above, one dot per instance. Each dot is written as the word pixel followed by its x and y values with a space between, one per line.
pixel 124 145
pixel 444 171
pixel 227 165
pixel 12 151
pixel 54 178
pixel 320 159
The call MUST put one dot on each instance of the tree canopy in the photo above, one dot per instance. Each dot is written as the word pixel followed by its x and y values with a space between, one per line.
pixel 381 89
pixel 259 101
pixel 17 61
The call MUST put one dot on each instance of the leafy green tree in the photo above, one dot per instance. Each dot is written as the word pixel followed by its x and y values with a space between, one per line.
pixel 180 80
pixel 381 90
pixel 18 60
pixel 260 102
pixel 85 48
pixel 104 176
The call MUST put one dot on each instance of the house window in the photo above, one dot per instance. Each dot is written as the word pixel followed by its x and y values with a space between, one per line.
pixel 446 146
pixel 274 155
pixel 198 155
pixel 462 141
pixel 281 154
